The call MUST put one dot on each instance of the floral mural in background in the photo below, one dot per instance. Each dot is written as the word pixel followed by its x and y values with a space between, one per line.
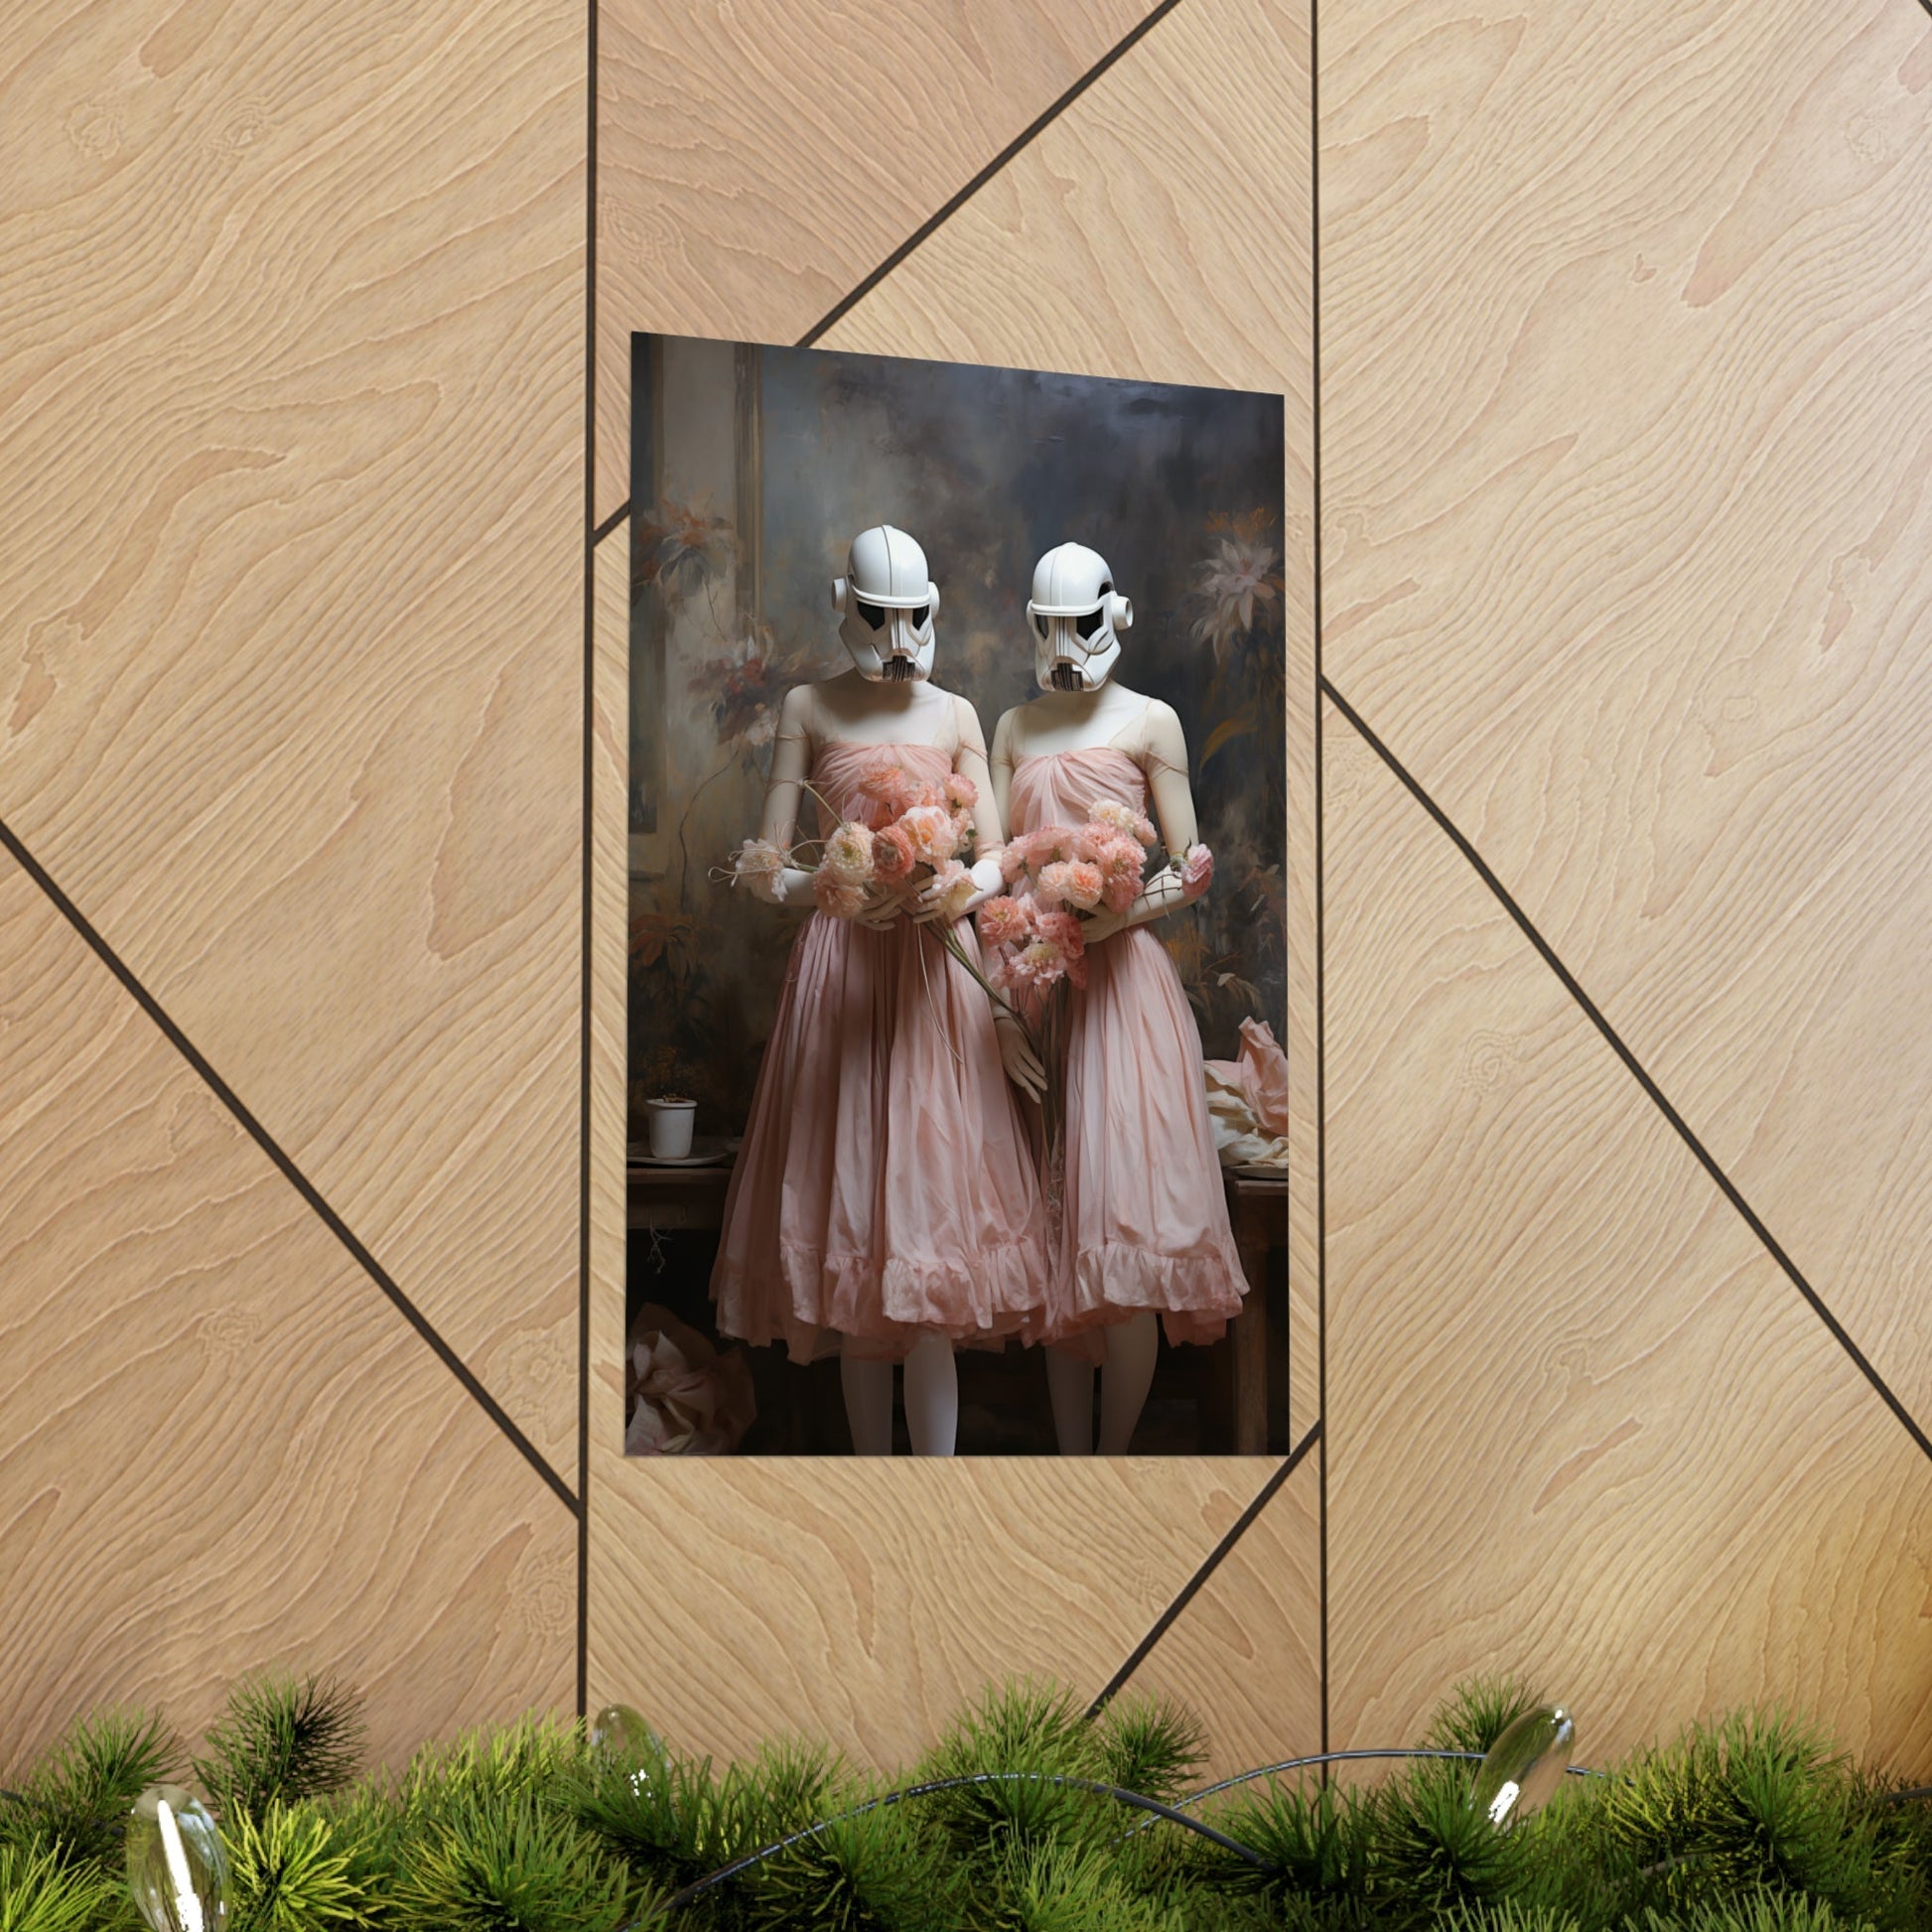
pixel 753 469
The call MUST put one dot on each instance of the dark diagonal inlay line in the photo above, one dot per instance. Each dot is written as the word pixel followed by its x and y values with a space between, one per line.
pixel 1681 1127
pixel 300 1181
pixel 1021 140
pixel 1212 1562
pixel 611 522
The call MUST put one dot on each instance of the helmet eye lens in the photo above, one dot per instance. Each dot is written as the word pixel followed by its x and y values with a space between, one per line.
pixel 874 616
pixel 1088 625
pixel 1040 625
pixel 918 616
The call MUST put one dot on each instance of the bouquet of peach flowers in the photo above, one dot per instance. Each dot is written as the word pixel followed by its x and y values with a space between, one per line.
pixel 924 833
pixel 1035 935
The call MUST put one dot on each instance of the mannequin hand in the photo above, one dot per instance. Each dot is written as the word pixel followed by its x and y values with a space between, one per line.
pixel 1016 1055
pixel 881 913
pixel 1102 925
pixel 987 881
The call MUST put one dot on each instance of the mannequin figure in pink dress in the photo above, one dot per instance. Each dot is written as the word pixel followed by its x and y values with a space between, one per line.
pixel 884 1201
pixel 1143 1236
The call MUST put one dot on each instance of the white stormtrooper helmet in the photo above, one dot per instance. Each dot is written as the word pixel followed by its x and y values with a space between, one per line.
pixel 886 601
pixel 1077 616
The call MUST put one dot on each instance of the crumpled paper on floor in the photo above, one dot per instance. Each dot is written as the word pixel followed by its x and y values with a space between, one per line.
pixel 1247 1101
pixel 690 1400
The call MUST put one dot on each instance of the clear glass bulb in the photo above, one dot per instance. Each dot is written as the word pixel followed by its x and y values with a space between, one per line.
pixel 623 1742
pixel 176 1867
pixel 1524 1765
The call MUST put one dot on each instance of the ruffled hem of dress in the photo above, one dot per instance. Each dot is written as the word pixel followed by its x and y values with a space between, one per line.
pixel 886 1307
pixel 1195 1295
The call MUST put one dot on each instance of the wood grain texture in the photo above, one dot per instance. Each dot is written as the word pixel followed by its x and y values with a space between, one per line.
pixel 1580 1425
pixel 1247 1648
pixel 864 1601
pixel 290 368
pixel 1627 438
pixel 225 1449
pixel 1161 229
pixel 757 160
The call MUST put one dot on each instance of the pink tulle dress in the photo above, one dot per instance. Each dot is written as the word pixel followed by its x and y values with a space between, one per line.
pixel 1143 1220
pixel 885 1190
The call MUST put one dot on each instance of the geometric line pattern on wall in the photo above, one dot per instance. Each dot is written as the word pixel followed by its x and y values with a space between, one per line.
pixel 1627 482
pixel 1245 1653
pixel 941 215
pixel 288 700
pixel 759 159
pixel 1656 1094
pixel 1210 1564
pixel 295 1176
pixel 1579 1427
pixel 222 1454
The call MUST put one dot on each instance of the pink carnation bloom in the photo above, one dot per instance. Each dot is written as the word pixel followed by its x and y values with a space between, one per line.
pixel 930 831
pixel 962 795
pixel 1013 862
pixel 1051 845
pixel 893 856
pixel 848 854
pixel 1005 921
pixel 760 865
pixel 1196 872
pixel 1118 817
pixel 1083 884
pixel 1039 964
pixel 835 897
pixel 1051 886
pixel 1119 891
pixel 1064 932
pixel 892 784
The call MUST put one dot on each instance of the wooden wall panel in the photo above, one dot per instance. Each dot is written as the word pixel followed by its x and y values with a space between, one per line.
pixel 1161 229
pixel 292 352
pixel 1581 1427
pixel 1627 438
pixel 757 161
pixel 1246 1650
pixel 866 1601
pixel 225 1449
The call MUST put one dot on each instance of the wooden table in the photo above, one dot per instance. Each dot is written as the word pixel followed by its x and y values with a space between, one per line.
pixel 673 1199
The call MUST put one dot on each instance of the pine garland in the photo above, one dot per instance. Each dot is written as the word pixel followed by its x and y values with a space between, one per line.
pixel 1753 1824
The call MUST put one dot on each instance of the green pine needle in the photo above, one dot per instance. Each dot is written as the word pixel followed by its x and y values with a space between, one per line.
pixel 287 1872
pixel 501 1863
pixel 1477 1712
pixel 39 1892
pixel 77 1798
pixel 281 1738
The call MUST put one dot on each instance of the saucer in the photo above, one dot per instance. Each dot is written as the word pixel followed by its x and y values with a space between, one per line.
pixel 707 1151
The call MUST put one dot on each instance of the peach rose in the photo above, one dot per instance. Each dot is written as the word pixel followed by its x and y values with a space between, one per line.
pixel 893 856
pixel 848 854
pixel 835 897
pixel 929 828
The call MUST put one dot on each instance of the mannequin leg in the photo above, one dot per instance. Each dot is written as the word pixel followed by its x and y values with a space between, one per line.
pixel 932 1396
pixel 1132 1346
pixel 1069 1388
pixel 867 1404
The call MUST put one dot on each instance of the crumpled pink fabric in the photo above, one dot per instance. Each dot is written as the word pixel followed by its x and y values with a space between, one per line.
pixel 1247 1100
pixel 690 1400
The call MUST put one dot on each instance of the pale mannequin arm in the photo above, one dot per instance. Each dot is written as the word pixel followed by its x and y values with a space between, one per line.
pixel 784 793
pixel 1163 757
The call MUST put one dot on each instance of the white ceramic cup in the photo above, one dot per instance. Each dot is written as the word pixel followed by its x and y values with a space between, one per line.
pixel 671 1122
